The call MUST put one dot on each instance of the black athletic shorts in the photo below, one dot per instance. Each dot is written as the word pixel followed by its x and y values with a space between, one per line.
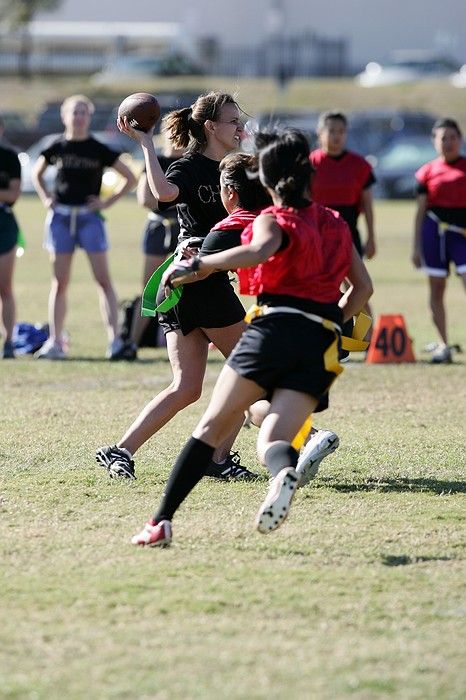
pixel 210 303
pixel 287 351
pixel 8 232
pixel 160 238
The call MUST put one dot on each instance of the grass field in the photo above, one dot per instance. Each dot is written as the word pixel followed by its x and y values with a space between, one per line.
pixel 359 595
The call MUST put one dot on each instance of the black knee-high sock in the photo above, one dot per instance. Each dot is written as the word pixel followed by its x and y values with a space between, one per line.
pixel 189 468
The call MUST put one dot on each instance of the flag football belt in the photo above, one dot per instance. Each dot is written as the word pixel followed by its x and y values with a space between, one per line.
pixel 356 343
pixel 265 310
pixel 353 344
pixel 73 212
pixel 443 226
pixel 149 296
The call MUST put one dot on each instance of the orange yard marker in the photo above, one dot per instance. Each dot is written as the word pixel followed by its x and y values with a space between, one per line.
pixel 390 341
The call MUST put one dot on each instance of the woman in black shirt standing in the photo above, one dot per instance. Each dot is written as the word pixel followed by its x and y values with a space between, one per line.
pixel 74 218
pixel 209 129
pixel 10 185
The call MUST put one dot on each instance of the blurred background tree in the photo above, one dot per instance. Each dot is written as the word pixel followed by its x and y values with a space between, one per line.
pixel 18 14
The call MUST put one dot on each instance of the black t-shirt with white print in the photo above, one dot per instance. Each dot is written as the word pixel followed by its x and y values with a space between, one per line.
pixel 80 166
pixel 199 205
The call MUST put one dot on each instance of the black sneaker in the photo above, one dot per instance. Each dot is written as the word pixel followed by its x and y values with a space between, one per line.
pixel 117 461
pixel 8 350
pixel 230 470
pixel 128 351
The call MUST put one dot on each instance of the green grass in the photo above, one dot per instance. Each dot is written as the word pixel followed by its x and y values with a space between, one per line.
pixel 359 595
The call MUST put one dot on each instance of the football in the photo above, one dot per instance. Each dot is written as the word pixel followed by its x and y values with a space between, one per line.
pixel 141 109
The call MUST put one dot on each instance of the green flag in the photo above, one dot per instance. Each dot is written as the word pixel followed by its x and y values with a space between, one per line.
pixel 149 296
pixel 21 244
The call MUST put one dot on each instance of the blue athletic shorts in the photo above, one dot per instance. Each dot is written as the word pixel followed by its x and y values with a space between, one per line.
pixel 63 232
pixel 439 249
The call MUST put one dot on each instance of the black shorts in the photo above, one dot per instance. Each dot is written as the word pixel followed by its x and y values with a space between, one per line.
pixel 8 232
pixel 211 303
pixel 288 351
pixel 160 238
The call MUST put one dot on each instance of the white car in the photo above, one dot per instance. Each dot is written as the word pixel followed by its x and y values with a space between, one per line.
pixel 406 67
pixel 458 79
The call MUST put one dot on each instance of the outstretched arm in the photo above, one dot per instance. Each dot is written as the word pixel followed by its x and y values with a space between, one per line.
pixel 266 240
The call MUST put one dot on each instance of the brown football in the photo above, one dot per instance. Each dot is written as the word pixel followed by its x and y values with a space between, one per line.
pixel 141 109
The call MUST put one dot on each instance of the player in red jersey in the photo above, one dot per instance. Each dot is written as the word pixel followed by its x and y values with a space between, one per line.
pixel 342 180
pixel 294 257
pixel 440 224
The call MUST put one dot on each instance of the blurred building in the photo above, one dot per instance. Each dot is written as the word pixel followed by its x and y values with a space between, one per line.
pixel 85 47
pixel 372 29
pixel 283 38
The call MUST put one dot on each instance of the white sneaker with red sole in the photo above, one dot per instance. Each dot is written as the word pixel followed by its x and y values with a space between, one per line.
pixel 154 534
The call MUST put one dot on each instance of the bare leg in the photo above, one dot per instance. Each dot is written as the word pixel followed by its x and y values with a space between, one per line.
pixel 258 411
pixel 107 297
pixel 7 263
pixel 188 358
pixel 288 411
pixel 463 279
pixel 437 286
pixel 232 394
pixel 61 266
pixel 225 340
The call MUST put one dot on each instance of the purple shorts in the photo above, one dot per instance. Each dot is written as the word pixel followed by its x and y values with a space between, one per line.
pixel 63 232
pixel 440 248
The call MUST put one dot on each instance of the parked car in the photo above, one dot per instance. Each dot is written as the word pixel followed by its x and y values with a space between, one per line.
pixel 369 131
pixel 49 120
pixel 119 142
pixel 128 67
pixel 458 79
pixel 406 67
pixel 305 121
pixel 395 165
pixel 16 130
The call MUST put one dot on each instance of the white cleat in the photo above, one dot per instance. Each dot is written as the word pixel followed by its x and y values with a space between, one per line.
pixel 321 444
pixel 274 510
